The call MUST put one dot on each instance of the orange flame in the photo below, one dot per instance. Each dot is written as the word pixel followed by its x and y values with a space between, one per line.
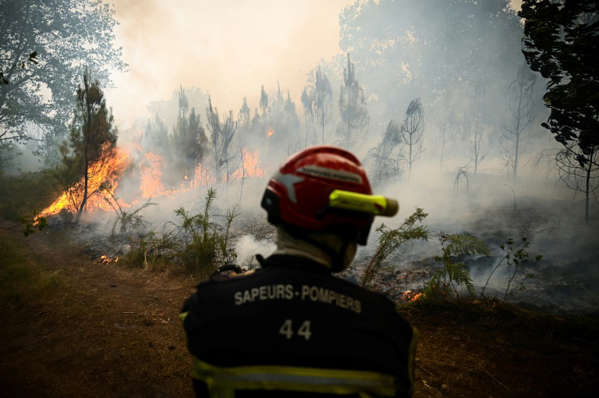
pixel 103 179
pixel 411 296
pixel 104 259
pixel 249 168
pixel 151 177
pixel 201 177
pixel 270 133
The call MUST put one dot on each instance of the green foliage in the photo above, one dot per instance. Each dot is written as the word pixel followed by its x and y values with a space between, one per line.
pixel 352 102
pixel 129 220
pixel 561 43
pixel 391 240
pixel 126 220
pixel 516 255
pixel 189 138
pixel 20 277
pixel 154 252
pixel 23 196
pixel 92 136
pixel 30 226
pixel 42 53
pixel 221 135
pixel 448 280
pixel 206 243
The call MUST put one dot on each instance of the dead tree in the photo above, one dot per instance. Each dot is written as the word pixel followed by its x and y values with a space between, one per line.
pixel 477 136
pixel 352 103
pixel 412 131
pixel 317 97
pixel 221 135
pixel 388 155
pixel 461 179
pixel 580 171
pixel 520 106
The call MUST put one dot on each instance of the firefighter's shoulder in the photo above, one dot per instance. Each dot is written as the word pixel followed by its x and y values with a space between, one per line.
pixel 230 272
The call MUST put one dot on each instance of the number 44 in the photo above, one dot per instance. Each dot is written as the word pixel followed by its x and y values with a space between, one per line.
pixel 287 329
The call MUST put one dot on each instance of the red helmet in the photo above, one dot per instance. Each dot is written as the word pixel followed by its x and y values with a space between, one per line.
pixel 297 196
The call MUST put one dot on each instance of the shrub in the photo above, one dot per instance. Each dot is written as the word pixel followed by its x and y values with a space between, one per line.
pixel 391 240
pixel 515 256
pixel 447 281
pixel 206 244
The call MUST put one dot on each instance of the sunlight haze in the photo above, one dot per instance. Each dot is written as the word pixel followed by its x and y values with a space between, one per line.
pixel 227 48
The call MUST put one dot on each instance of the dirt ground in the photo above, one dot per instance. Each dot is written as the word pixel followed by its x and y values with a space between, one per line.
pixel 108 331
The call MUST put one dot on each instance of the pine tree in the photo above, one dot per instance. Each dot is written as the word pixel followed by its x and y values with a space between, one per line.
pixel 92 137
pixel 352 103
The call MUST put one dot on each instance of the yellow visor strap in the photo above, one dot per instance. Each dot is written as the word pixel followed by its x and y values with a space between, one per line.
pixel 372 204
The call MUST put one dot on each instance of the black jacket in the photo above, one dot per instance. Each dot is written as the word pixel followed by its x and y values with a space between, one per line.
pixel 294 314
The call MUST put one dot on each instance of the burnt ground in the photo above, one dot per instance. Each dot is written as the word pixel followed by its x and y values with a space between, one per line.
pixel 103 330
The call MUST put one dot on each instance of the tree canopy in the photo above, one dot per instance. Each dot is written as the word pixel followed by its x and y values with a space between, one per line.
pixel 562 43
pixel 66 36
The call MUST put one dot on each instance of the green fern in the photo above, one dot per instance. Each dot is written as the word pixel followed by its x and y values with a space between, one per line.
pixel 392 239
pixel 447 281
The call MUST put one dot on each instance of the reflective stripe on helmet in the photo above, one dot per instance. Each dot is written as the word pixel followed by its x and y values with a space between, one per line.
pixel 223 381
pixel 371 204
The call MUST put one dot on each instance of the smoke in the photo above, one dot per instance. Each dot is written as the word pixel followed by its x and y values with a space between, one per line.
pixel 248 246
pixel 462 176
pixel 228 48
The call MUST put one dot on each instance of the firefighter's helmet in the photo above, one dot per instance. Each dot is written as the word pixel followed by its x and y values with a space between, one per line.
pixel 324 188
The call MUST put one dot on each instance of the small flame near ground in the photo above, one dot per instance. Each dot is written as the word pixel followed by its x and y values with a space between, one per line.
pixel 411 296
pixel 270 132
pixel 108 260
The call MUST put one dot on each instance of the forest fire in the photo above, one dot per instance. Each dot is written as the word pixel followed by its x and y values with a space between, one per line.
pixel 249 167
pixel 151 182
pixel 103 181
pixel 270 133
pixel 105 174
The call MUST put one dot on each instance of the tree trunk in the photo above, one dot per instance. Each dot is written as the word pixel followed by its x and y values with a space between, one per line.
pixel 410 157
pixel 516 152
pixel 587 188
pixel 517 133
pixel 86 136
pixel 323 128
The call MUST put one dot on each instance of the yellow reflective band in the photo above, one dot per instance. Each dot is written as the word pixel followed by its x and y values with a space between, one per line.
pixel 183 315
pixel 412 359
pixel 372 204
pixel 223 381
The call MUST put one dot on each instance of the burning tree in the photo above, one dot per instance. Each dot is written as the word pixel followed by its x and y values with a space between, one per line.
pixel 91 141
pixel 190 141
pixel 221 136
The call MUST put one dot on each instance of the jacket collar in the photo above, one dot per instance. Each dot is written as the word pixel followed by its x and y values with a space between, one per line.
pixel 283 260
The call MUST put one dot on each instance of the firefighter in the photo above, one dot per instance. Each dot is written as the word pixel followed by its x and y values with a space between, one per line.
pixel 291 328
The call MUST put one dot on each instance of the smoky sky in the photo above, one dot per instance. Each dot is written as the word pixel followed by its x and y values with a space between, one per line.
pixel 229 48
